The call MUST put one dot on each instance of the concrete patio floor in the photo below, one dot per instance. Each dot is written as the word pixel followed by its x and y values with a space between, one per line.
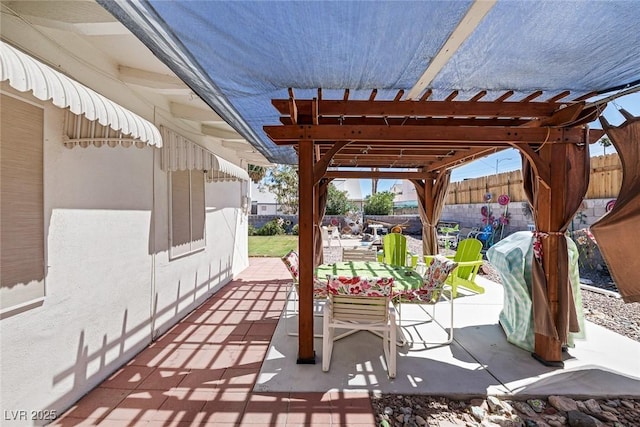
pixel 230 363
pixel 480 361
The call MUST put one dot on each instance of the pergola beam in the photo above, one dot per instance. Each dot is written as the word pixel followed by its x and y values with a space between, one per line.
pixel 286 135
pixel 415 121
pixel 461 157
pixel 375 174
pixel 466 109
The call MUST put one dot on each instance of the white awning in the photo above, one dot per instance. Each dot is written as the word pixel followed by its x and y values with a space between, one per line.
pixel 25 73
pixel 180 153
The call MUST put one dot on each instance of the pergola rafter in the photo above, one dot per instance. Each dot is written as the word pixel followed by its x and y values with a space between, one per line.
pixel 344 138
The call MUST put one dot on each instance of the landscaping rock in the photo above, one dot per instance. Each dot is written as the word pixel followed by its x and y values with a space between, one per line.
pixel 580 419
pixel 562 403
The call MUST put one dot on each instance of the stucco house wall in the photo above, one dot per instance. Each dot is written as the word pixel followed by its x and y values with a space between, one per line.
pixel 110 284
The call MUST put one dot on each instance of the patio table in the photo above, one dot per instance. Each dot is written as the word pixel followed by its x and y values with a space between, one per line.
pixel 404 278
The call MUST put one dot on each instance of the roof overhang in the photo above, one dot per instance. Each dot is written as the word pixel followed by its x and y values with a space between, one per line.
pixel 25 73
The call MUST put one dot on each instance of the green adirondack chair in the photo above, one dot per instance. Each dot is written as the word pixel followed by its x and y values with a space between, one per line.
pixel 394 246
pixel 469 259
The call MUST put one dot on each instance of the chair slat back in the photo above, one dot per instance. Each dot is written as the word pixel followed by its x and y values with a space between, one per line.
pixel 394 246
pixel 468 250
pixel 350 254
pixel 359 309
pixel 359 299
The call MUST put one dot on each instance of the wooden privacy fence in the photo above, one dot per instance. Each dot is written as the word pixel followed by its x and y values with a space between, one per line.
pixel 605 182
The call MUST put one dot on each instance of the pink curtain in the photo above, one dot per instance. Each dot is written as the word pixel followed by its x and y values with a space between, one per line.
pixel 617 232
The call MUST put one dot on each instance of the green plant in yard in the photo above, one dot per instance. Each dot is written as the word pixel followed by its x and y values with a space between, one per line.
pixel 379 203
pixel 295 230
pixel 252 231
pixel 337 202
pixel 272 228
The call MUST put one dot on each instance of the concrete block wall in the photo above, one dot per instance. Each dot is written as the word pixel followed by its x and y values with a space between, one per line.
pixel 469 215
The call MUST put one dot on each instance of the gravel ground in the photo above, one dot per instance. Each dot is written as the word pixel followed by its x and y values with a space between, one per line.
pixel 557 411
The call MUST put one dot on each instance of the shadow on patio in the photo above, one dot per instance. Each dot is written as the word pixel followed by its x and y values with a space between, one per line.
pixel 203 370
pixel 230 362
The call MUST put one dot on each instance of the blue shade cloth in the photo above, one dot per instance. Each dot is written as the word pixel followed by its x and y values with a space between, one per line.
pixel 513 258
pixel 239 55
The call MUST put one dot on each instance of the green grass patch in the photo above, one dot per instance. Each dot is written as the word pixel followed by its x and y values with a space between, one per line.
pixel 272 246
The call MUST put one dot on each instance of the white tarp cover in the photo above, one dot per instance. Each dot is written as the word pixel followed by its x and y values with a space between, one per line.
pixel 25 73
pixel 238 55
pixel 513 257
pixel 180 153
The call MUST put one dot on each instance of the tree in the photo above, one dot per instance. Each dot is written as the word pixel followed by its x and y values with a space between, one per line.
pixel 337 202
pixel 605 142
pixel 282 181
pixel 379 203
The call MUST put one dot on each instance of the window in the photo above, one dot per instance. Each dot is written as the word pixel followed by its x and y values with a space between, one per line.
pixel 21 205
pixel 187 212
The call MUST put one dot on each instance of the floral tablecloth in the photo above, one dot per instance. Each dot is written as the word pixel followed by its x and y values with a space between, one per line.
pixel 404 278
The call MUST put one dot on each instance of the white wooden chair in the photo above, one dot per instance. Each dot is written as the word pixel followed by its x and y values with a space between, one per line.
pixel 352 254
pixel 360 304
pixel 434 290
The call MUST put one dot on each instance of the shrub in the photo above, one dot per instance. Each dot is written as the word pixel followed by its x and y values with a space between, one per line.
pixel 252 230
pixel 272 228
pixel 379 204
pixel 294 230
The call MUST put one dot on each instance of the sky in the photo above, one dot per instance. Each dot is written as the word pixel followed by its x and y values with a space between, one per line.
pixel 509 160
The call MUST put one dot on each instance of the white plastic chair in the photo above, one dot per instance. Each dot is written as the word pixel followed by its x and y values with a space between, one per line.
pixel 360 304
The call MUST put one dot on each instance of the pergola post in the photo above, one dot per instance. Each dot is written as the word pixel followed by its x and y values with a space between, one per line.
pixel 550 204
pixel 306 185
pixel 556 198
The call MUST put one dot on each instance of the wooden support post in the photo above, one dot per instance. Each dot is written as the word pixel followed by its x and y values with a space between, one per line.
pixel 428 195
pixel 548 350
pixel 306 184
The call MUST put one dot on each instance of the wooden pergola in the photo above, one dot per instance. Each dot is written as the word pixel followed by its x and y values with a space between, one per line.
pixel 422 140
